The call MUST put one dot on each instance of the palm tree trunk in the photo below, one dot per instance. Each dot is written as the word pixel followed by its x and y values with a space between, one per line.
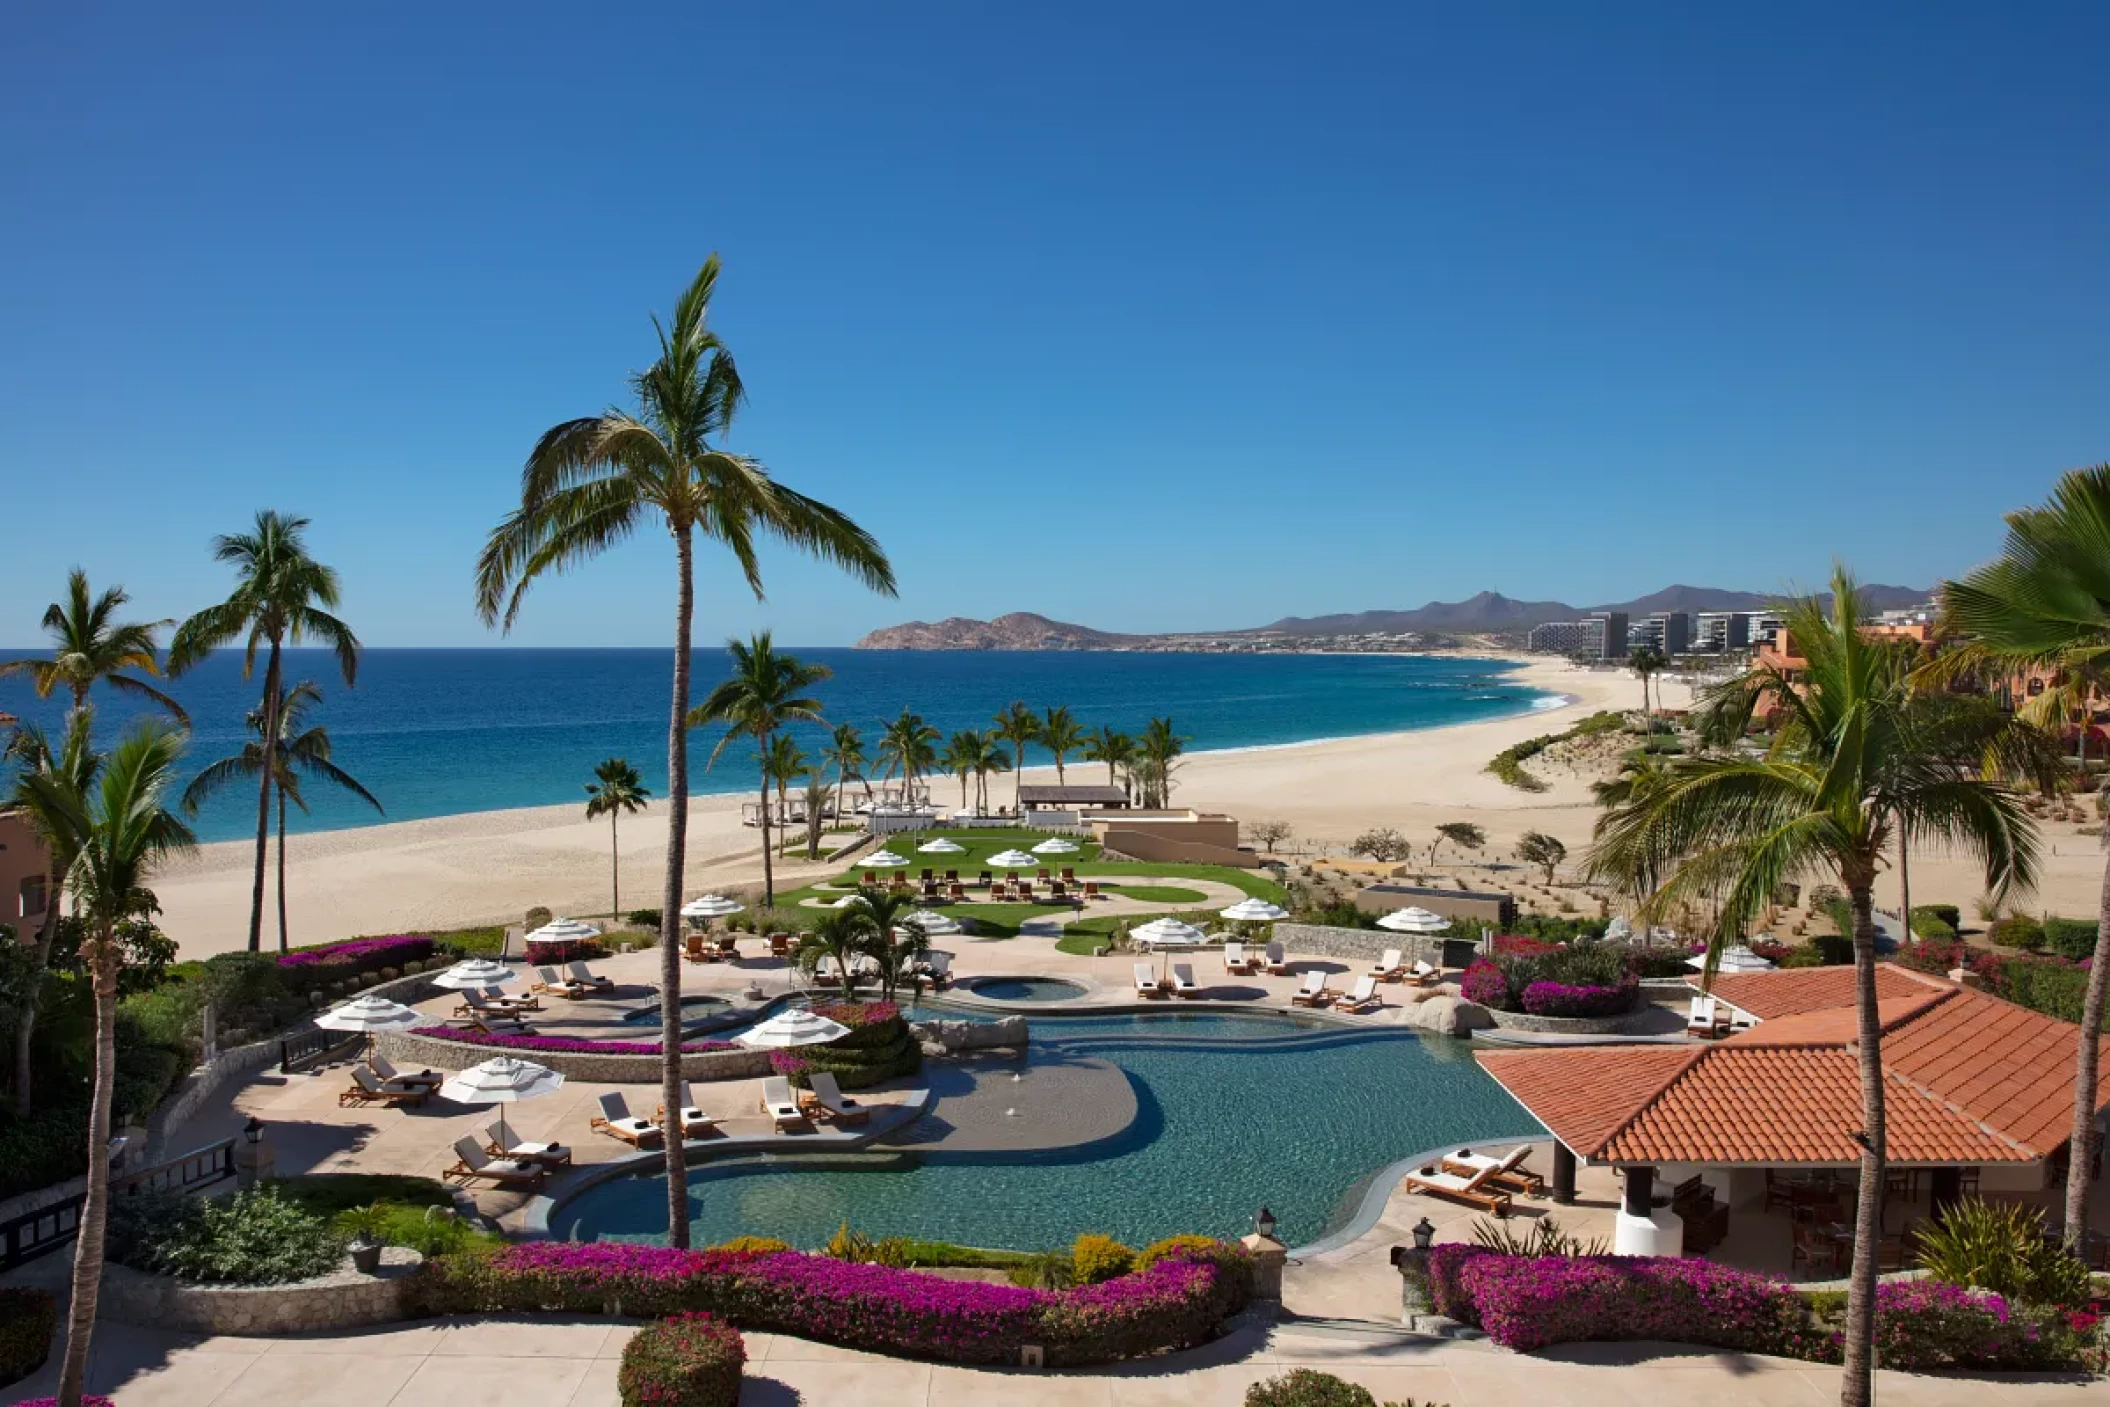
pixel 26 1024
pixel 1905 880
pixel 2080 1154
pixel 282 869
pixel 769 878
pixel 615 868
pixel 1856 1386
pixel 670 907
pixel 263 803
pixel 1018 785
pixel 95 1211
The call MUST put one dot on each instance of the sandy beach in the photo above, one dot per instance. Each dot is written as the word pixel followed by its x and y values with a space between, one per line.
pixel 490 867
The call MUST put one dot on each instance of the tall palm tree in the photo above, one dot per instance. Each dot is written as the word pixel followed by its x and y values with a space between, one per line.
pixel 1160 752
pixel 845 752
pixel 1018 725
pixel 589 484
pixel 908 745
pixel 616 788
pixel 767 690
pixel 301 751
pixel 1116 750
pixel 1854 764
pixel 282 596
pixel 69 770
pixel 783 762
pixel 2045 603
pixel 989 760
pixel 118 834
pixel 962 753
pixel 88 646
pixel 889 942
pixel 1646 662
pixel 1062 735
pixel 819 797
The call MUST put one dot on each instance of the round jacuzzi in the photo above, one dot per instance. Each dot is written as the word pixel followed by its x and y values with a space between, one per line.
pixel 691 1007
pixel 1028 989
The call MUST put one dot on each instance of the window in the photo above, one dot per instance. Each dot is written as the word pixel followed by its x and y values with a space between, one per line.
pixel 32 896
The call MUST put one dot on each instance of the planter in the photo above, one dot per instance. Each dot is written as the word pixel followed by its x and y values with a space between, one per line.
pixel 366 1256
pixel 1571 1025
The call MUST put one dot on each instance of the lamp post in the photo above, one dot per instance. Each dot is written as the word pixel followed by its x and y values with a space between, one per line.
pixel 1269 1256
pixel 253 1155
pixel 1412 1264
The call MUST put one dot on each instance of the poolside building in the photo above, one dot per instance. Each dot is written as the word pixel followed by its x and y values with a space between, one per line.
pixel 25 870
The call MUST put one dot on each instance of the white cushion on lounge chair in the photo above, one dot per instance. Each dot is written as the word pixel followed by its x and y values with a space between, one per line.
pixel 1390 962
pixel 364 1078
pixel 778 1100
pixel 1183 978
pixel 616 1110
pixel 1234 955
pixel 381 1066
pixel 1482 1163
pixel 1314 983
pixel 1365 991
pixel 514 1148
pixel 1146 977
pixel 476 1160
pixel 1277 957
pixel 1449 1182
pixel 831 1096
pixel 580 974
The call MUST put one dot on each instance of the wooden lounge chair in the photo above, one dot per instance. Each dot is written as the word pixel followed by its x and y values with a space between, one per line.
pixel 365 1089
pixel 549 1155
pixel 561 986
pixel 506 1172
pixel 728 947
pixel 1362 997
pixel 475 1003
pixel 1058 891
pixel 1705 1018
pixel 1421 974
pixel 385 1071
pixel 1473 1191
pixel 956 893
pixel 695 951
pixel 580 974
pixel 1390 967
pixel 1043 873
pixel 693 1120
pixel 929 876
pixel 1314 992
pixel 870 877
pixel 1507 1172
pixel 1183 983
pixel 780 945
pixel 1069 875
pixel 1236 962
pixel 952 876
pixel 616 1120
pixel 1091 889
pixel 778 1103
pixel 1147 984
pixel 496 1023
pixel 935 967
pixel 834 1104
pixel 985 879
pixel 1277 961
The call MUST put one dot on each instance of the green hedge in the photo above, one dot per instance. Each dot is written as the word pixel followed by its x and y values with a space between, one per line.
pixel 1928 924
pixel 2049 987
pixel 1947 914
pixel 2070 937
pixel 2017 931
pixel 28 1319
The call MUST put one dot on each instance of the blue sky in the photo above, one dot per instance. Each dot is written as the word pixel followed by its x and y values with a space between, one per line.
pixel 1146 316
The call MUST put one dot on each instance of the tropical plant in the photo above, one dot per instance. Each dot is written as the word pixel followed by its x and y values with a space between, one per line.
pixel 616 789
pixel 908 746
pixel 1545 851
pixel 1018 725
pixel 767 690
pixel 1854 763
pixel 838 936
pixel 962 754
pixel 1061 735
pixel 282 596
pixel 118 834
pixel 1545 1238
pixel 68 771
pixel 845 752
pixel 1160 751
pixel 88 647
pixel 783 762
pixel 300 751
pixel 2044 604
pixel 989 760
pixel 1647 662
pixel 2000 1246
pixel 892 945
pixel 1463 834
pixel 591 483
pixel 1117 750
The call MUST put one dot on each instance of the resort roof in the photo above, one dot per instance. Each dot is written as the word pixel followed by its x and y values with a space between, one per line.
pixel 1791 991
pixel 1072 796
pixel 1970 1080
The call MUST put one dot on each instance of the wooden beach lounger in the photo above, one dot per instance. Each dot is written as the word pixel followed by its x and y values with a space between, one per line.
pixel 1704 1017
pixel 1147 984
pixel 581 975
pixel 388 1074
pixel 1473 1191
pixel 693 1120
pixel 365 1089
pixel 833 1102
pixel 695 951
pixel 1423 975
pixel 1277 960
pixel 616 1120
pixel 487 1003
pixel 1507 1172
pixel 506 1172
pixel 549 1155
pixel 1389 967
pixel 1314 992
pixel 1183 983
pixel 778 1103
pixel 1236 962
pixel 562 986
pixel 1363 997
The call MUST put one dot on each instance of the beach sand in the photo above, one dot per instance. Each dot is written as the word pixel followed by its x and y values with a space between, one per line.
pixel 490 867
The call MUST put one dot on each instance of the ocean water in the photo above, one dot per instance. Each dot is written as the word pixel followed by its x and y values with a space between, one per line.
pixel 443 732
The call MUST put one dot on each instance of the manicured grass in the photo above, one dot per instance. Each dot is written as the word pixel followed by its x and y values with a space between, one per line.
pixel 1159 894
pixel 1253 882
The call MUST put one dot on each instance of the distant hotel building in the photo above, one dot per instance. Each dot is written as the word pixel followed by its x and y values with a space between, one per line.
pixel 1602 636
pixel 1667 632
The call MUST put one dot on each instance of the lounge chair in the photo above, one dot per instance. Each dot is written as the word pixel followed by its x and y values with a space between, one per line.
pixel 728 946
pixel 693 1119
pixel 1473 1191
pixel 1069 874
pixel 475 1003
pixel 833 1102
pixel 956 892
pixel 365 1089
pixel 497 1023
pixel 581 975
pixel 1389 967
pixel 985 879
pixel 562 986
pixel 1704 1017
pixel 1507 1172
pixel 952 876
pixel 935 968
pixel 1236 962
pixel 1183 983
pixel 1314 992
pixel 1277 961
pixel 549 1155
pixel 507 1172
pixel 778 1103
pixel 695 951
pixel 1421 974
pixel 616 1120
pixel 388 1074
pixel 1091 889
pixel 1363 997
pixel 870 877
pixel 780 945
pixel 1147 984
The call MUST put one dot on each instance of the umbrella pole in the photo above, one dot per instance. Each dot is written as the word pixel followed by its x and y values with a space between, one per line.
pixel 503 1141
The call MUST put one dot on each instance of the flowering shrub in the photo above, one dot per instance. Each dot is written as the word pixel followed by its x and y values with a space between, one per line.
pixel 1560 999
pixel 552 950
pixel 509 1040
pixel 1484 984
pixel 858 1015
pixel 1519 945
pixel 689 1360
pixel 788 1065
pixel 1588 979
pixel 1528 1302
pixel 1922 1324
pixel 335 962
pixel 876 1047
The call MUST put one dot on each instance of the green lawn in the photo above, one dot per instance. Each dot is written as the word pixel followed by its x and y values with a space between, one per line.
pixel 1159 893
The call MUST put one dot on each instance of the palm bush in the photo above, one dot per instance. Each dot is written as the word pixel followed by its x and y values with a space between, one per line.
pixel 258 1237
pixel 2000 1246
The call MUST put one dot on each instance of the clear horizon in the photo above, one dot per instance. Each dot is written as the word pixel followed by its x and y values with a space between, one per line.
pixel 1145 321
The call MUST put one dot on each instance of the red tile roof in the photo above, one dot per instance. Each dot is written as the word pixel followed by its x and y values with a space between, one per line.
pixel 1969 1079
pixel 1791 991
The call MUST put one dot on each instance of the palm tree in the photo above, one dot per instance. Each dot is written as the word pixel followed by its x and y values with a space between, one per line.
pixel 1018 725
pixel 962 753
pixel 783 762
pixel 2045 603
pixel 989 759
pixel 838 935
pixel 1061 735
pixel 1646 661
pixel 301 751
pixel 1160 751
pixel 1116 750
pixel 87 646
pixel 118 833
pixel 282 596
pixel 767 690
pixel 1855 763
pixel 69 770
pixel 845 752
pixel 819 797
pixel 910 746
pixel 893 945
pixel 616 788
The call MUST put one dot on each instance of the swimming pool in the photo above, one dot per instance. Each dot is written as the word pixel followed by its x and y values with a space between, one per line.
pixel 1028 989
pixel 1234 1109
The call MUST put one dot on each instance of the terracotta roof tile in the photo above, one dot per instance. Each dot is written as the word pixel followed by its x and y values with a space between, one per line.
pixel 1791 991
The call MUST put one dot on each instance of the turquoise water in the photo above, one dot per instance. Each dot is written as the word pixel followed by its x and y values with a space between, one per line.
pixel 1028 989
pixel 1234 1110
pixel 440 732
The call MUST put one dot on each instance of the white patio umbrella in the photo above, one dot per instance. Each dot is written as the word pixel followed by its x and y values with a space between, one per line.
pixel 1163 932
pixel 1012 860
pixel 884 860
pixel 563 930
pixel 502 1081
pixel 931 922
pixel 941 846
pixel 1056 845
pixel 794 1027
pixel 710 906
pixel 1253 911
pixel 1414 920
pixel 1737 957
pixel 369 1015
pixel 476 972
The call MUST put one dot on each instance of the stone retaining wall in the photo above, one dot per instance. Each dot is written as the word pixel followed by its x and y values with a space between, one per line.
pixel 434 1052
pixel 956 1036
pixel 191 1092
pixel 1569 1025
pixel 1356 944
pixel 340 1299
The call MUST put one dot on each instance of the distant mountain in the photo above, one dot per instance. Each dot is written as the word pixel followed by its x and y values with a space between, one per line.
pixel 1020 630
pixel 1707 598
pixel 1488 611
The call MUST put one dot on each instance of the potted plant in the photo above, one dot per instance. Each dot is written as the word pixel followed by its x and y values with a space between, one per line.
pixel 365 1224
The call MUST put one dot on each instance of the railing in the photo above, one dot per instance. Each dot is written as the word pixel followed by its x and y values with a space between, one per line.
pixel 37 1233
pixel 311 1048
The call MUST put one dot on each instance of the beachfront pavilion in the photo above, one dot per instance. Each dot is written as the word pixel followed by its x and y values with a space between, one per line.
pixel 1745 1147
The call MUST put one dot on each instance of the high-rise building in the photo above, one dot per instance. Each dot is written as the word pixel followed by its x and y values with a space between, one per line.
pixel 1720 632
pixel 1616 640
pixel 1667 631
pixel 1602 636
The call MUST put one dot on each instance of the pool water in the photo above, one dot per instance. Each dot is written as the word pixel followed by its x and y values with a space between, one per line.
pixel 1234 1110
pixel 691 1007
pixel 1029 989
